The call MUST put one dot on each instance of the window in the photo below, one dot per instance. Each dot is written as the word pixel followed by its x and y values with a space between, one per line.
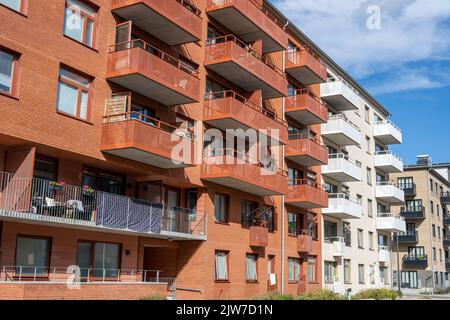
pixel 361 275
pixel 221 266
pixel 73 94
pixel 360 239
pixel 221 202
pixel 9 66
pixel 416 252
pixel 409 279
pixel 98 259
pixel 434 254
pixel 294 223
pixel 79 22
pixel 45 168
pixel 312 269
pixel 251 273
pixel 103 181
pixel 330 230
pixel 431 185
pixel 440 255
pixel 347 271
pixel 191 199
pixel 293 269
pixel 330 271
pixel 371 241
pixel 405 183
pixel 359 199
pixel 368 145
pixel 434 231
pixel 248 209
pixel 32 255
pixel 372 274
pixel 270 264
pixel 347 232
pixel 17 5
pixel 432 207
pixel 370 208
pixel 369 176
pixel 439 233
pixel 438 210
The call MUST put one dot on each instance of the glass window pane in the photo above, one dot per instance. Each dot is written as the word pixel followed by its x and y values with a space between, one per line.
pixel 84 258
pixel 73 24
pixel 13 4
pixel 81 7
pixel 106 260
pixel 83 105
pixel 32 256
pixel 6 70
pixel 67 99
pixel 89 32
pixel 79 80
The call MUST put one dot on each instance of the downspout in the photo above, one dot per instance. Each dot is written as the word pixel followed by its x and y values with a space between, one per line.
pixel 431 229
pixel 283 214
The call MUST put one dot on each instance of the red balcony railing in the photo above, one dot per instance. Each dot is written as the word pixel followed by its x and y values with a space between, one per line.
pixel 305 66
pixel 307 108
pixel 306 194
pixel 306 150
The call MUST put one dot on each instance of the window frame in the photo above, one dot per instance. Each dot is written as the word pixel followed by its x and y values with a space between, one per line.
pixel 255 257
pixel 15 73
pixel 48 258
pixel 85 18
pixel 297 265
pixel 312 262
pixel 23 7
pixel 227 208
pixel 80 89
pixel 227 265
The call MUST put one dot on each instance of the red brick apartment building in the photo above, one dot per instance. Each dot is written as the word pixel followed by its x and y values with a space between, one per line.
pixel 93 97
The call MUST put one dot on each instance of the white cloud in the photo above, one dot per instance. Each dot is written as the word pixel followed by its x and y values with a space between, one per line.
pixel 411 30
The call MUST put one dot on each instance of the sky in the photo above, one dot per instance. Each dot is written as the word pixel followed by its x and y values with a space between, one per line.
pixel 399 50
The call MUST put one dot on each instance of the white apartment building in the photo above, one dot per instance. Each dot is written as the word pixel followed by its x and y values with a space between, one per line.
pixel 358 224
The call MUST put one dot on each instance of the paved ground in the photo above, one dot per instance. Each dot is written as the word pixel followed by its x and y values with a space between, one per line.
pixel 426 297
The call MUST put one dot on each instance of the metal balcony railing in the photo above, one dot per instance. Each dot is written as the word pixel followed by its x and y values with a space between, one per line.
pixel 49 201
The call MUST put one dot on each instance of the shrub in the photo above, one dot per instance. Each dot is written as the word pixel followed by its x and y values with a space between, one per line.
pixel 274 296
pixel 154 297
pixel 442 291
pixel 377 294
pixel 320 295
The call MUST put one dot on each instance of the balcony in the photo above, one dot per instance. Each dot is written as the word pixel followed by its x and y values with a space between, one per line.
pixel 342 207
pixel 249 21
pixel 340 95
pixel 384 254
pixel 338 246
pixel 306 108
pixel 142 68
pixel 306 195
pixel 446 220
pixel 388 162
pixel 229 110
pixel 238 63
pixel 410 189
pixel 135 136
pixel 341 131
pixel 343 169
pixel 30 200
pixel 306 151
pixel 173 21
pixel 390 223
pixel 231 169
pixel 304 241
pixel 259 236
pixel 408 237
pixel 446 241
pixel 387 132
pixel 413 212
pixel 445 197
pixel 388 192
pixel 305 66
pixel 415 262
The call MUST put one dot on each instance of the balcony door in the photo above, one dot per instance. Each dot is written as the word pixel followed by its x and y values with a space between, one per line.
pixel 172 198
pixel 416 252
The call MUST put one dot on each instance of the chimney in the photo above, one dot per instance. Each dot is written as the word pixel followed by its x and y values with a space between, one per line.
pixel 424 160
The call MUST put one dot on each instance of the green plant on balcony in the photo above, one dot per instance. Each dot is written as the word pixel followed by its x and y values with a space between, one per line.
pixel 88 191
pixel 57 185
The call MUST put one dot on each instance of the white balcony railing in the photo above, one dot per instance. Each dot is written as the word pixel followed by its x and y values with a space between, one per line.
pixel 340 130
pixel 338 246
pixel 341 168
pixel 389 192
pixel 388 162
pixel 387 132
pixel 343 207
pixel 56 202
pixel 391 222
pixel 340 94
pixel 384 254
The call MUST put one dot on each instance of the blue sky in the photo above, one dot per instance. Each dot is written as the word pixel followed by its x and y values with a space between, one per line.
pixel 404 64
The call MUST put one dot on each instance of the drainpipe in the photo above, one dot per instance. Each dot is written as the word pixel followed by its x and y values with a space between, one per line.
pixel 283 215
pixel 431 230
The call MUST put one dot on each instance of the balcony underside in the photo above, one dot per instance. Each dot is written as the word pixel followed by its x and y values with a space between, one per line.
pixel 152 89
pixel 243 186
pixel 340 102
pixel 38 219
pixel 305 75
pixel 339 138
pixel 246 29
pixel 304 159
pixel 388 167
pixel 303 115
pixel 151 21
pixel 339 214
pixel 340 176
pixel 245 79
pixel 303 204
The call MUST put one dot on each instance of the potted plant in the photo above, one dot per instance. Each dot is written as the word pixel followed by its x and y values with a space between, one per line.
pixel 55 185
pixel 88 191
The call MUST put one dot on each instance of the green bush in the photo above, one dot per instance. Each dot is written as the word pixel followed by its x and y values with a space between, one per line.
pixel 377 294
pixel 442 291
pixel 320 295
pixel 274 296
pixel 154 297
